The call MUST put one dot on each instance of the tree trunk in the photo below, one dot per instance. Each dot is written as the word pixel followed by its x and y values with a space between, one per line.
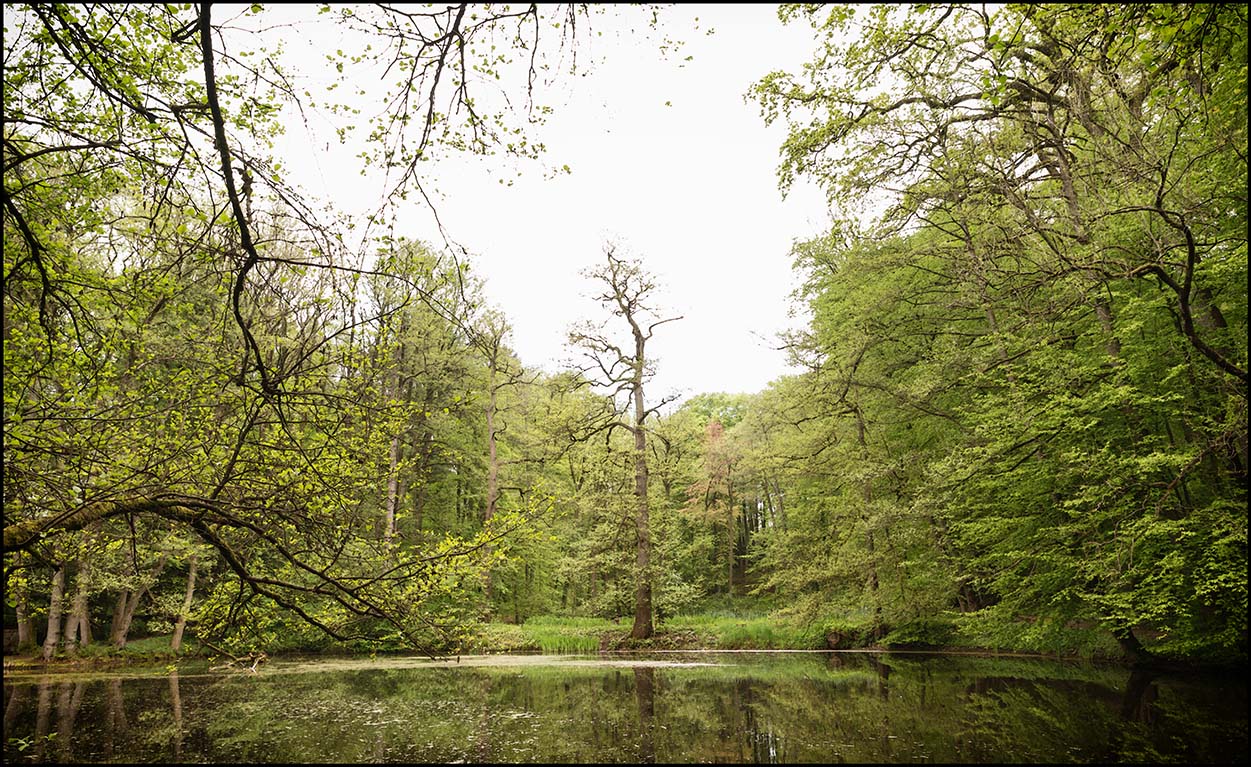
pixel 54 614
pixel 78 632
pixel 423 469
pixel 1104 313
pixel 643 592
pixel 1133 649
pixel 627 287
pixel 121 626
pixel 388 532
pixel 26 637
pixel 402 391
pixel 1207 314
pixel 781 496
pixel 119 610
pixel 175 644
pixel 71 628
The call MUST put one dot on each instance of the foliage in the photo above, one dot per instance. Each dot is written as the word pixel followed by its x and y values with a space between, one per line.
pixel 921 633
pixel 1027 377
pixel 1019 417
pixel 192 350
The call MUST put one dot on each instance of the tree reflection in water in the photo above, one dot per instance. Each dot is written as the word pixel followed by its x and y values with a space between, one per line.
pixel 645 697
pixel 754 708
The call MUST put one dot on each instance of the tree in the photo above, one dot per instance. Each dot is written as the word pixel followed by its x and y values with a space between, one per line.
pixel 187 339
pixel 1122 156
pixel 626 290
pixel 1031 361
pixel 711 497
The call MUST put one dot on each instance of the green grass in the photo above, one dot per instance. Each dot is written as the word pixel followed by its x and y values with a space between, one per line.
pixel 719 629
pixel 548 634
pixel 720 625
pixel 733 632
pixel 147 649
pixel 148 646
pixel 723 625
pixel 744 606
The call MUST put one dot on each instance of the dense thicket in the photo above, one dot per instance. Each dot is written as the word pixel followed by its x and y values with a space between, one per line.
pixel 198 360
pixel 1028 376
pixel 1021 419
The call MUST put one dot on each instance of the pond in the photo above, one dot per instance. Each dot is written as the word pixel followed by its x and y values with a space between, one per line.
pixel 672 707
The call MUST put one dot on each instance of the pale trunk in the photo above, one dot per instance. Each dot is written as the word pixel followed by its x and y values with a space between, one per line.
pixel 392 488
pixel 1207 312
pixel 119 610
pixel 419 504
pixel 122 623
pixel 78 633
pixel 25 624
pixel 781 502
pixel 180 624
pixel 71 628
pixel 54 614
pixel 1104 313
pixel 121 626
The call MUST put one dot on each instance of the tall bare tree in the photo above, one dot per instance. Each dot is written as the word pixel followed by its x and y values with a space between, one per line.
pixel 626 290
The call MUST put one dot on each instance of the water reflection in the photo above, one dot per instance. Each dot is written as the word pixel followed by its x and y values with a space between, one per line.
pixel 748 708
pixel 175 701
pixel 645 695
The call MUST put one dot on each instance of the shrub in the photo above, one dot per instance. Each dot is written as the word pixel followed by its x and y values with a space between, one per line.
pixel 921 633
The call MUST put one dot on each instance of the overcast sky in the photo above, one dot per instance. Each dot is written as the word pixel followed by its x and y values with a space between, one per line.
pixel 668 161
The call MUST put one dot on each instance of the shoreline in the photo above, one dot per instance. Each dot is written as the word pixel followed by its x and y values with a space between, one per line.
pixel 33 664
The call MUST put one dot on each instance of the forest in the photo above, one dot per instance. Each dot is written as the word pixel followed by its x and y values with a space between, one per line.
pixel 238 420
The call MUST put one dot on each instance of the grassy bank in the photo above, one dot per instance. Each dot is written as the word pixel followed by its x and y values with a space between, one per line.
pixel 103 655
pixel 728 629
pixel 745 626
pixel 714 630
pixel 718 629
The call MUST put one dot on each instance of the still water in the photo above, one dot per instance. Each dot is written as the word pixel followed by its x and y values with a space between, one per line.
pixel 689 707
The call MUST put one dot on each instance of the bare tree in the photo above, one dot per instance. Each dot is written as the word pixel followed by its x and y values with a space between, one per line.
pixel 626 290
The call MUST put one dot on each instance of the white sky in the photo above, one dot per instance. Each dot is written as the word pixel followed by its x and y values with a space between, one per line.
pixel 689 188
